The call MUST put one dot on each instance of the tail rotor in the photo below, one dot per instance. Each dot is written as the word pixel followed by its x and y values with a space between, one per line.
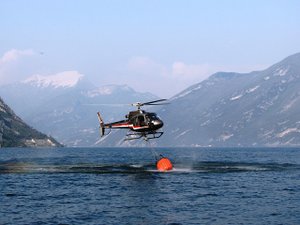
pixel 102 127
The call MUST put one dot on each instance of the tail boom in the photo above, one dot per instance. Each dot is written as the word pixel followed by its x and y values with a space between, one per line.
pixel 123 124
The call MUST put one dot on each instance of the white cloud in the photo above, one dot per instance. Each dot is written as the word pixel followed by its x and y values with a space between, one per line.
pixel 177 70
pixel 139 62
pixel 167 79
pixel 145 66
pixel 192 71
pixel 16 64
pixel 14 55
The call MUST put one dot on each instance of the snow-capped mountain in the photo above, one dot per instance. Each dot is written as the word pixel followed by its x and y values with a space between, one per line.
pixel 28 96
pixel 64 79
pixel 64 105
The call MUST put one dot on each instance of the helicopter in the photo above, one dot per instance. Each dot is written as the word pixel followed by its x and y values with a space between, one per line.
pixel 139 122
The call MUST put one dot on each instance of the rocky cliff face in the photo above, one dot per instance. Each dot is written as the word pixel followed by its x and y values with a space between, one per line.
pixel 15 133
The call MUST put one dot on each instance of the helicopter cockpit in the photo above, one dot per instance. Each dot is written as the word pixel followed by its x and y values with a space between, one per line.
pixel 145 119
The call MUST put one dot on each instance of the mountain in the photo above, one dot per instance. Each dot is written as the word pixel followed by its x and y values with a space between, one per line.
pixel 60 80
pixel 64 105
pixel 30 95
pixel 260 108
pixel 230 109
pixel 15 133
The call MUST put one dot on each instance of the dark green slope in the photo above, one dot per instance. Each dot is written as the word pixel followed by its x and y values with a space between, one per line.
pixel 15 133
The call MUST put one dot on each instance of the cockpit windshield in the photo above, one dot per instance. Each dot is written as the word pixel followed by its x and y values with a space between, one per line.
pixel 152 116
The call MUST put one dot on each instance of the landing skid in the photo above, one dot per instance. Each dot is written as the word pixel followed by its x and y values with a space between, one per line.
pixel 146 136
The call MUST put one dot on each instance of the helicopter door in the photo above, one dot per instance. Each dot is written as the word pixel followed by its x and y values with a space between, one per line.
pixel 141 120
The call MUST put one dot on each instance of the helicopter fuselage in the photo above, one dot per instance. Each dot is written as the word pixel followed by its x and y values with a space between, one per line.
pixel 139 121
pixel 142 123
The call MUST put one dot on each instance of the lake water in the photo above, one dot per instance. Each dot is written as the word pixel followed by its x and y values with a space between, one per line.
pixel 122 186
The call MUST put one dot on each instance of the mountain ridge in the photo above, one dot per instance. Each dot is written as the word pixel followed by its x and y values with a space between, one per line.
pixel 232 109
pixel 228 109
pixel 69 113
pixel 252 109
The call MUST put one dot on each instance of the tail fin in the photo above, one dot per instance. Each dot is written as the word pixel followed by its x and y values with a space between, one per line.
pixel 101 124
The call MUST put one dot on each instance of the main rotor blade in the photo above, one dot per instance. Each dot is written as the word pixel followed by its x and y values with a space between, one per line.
pixel 137 104
pixel 106 104
pixel 149 103
pixel 166 103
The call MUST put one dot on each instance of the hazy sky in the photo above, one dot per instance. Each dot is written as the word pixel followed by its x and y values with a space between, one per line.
pixel 161 46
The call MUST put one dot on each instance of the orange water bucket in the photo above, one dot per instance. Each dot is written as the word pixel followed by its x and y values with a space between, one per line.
pixel 164 164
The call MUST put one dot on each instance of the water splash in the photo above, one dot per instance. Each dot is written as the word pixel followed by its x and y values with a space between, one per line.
pixel 198 167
